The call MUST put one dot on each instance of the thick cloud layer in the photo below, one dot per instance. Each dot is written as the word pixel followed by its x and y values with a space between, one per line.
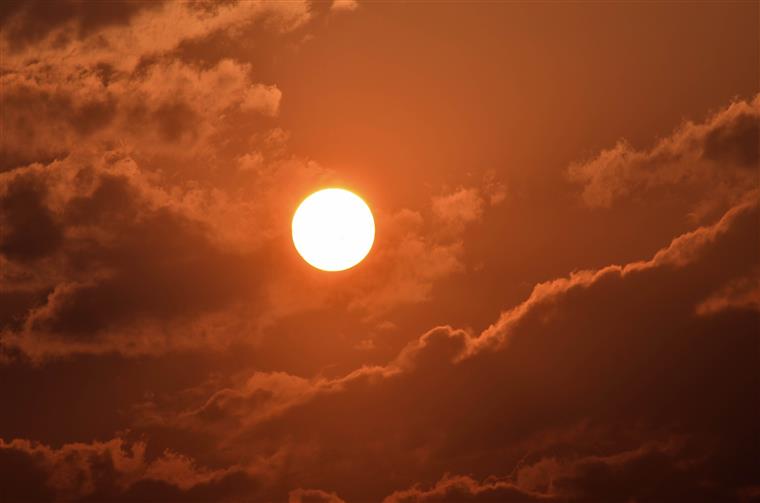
pixel 108 250
pixel 570 361
pixel 552 373
pixel 160 339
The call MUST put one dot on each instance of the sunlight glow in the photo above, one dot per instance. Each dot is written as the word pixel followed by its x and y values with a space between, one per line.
pixel 333 229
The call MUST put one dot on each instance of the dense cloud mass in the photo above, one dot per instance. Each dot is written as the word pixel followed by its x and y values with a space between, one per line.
pixel 161 340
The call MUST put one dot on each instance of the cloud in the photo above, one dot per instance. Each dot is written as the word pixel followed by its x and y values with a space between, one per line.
pixel 718 156
pixel 113 136
pixel 418 249
pixel 463 488
pixel 410 258
pixel 681 252
pixel 662 471
pixel 653 471
pixel 165 107
pixel 29 229
pixel 27 23
pixel 111 250
pixel 113 77
pixel 82 34
pixel 115 471
pixel 165 257
pixel 262 396
pixel 410 255
pixel 313 496
pixel 620 345
pixel 344 5
pixel 461 207
pixel 740 293
pixel 144 205
pixel 262 98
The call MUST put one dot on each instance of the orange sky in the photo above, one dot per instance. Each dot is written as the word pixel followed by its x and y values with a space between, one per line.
pixel 561 304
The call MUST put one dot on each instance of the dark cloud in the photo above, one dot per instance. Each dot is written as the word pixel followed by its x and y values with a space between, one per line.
pixel 181 272
pixel 165 106
pixel 652 472
pixel 313 496
pixel 121 247
pixel 65 24
pixel 175 120
pixel 120 87
pixel 231 487
pixel 454 489
pixel 29 228
pixel 27 22
pixel 737 142
pixel 22 478
pixel 147 271
pixel 113 471
pixel 110 255
pixel 106 74
pixel 623 346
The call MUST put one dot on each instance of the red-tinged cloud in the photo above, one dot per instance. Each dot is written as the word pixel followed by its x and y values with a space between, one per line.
pixel 741 293
pixel 410 255
pixel 136 179
pixel 459 207
pixel 115 470
pixel 653 472
pixel 85 34
pixel 100 255
pixel 417 249
pixel 167 107
pixel 451 489
pixel 410 259
pixel 146 191
pixel 622 345
pixel 717 160
pixel 344 5
pixel 313 496
pixel 111 251
pixel 111 77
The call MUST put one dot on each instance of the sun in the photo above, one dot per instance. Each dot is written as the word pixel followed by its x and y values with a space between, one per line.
pixel 333 229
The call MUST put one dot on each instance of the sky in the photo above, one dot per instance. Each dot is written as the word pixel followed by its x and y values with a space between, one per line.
pixel 562 303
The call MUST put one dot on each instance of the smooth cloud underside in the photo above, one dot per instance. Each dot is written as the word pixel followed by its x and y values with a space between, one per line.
pixel 146 191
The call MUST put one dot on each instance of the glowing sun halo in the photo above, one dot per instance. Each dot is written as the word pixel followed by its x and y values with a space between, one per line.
pixel 333 229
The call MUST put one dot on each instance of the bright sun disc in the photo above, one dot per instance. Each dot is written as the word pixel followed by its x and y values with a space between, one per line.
pixel 333 229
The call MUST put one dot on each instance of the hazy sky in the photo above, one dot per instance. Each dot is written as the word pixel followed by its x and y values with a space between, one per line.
pixel 562 302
